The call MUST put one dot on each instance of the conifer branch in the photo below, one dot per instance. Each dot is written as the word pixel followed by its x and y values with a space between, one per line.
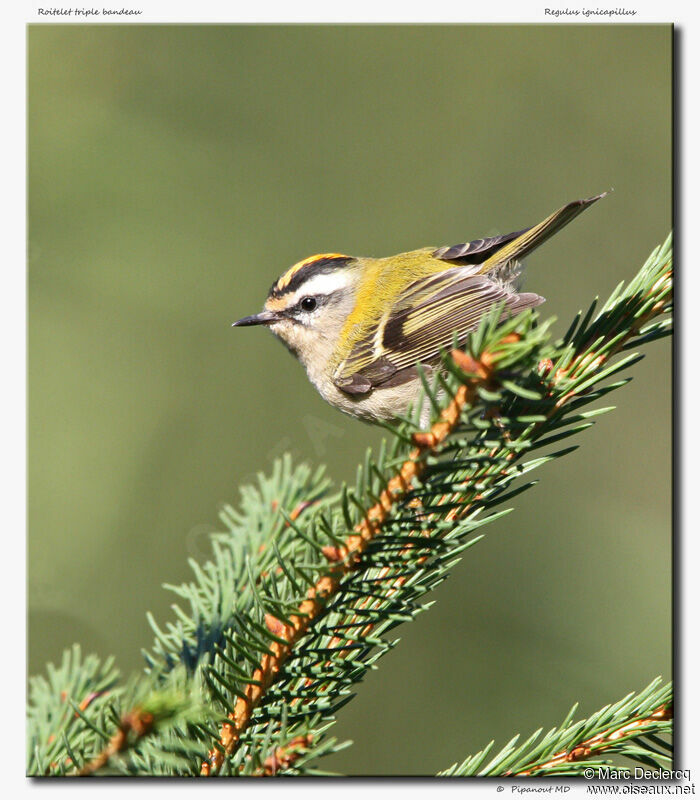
pixel 576 371
pixel 134 725
pixel 636 727
pixel 602 742
pixel 343 560
pixel 303 587
pixel 285 756
pixel 347 557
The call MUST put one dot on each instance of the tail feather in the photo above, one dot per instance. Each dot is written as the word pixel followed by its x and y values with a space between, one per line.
pixel 533 237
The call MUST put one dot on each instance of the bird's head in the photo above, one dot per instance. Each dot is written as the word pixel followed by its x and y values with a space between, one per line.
pixel 308 305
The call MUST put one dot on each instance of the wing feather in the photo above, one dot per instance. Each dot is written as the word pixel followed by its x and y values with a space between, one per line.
pixel 476 251
pixel 451 302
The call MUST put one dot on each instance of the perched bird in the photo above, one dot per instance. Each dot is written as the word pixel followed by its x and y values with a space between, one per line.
pixel 361 325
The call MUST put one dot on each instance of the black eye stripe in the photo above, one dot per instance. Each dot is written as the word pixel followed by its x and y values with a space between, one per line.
pixel 306 304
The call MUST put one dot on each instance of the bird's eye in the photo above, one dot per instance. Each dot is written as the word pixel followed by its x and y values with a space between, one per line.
pixel 308 303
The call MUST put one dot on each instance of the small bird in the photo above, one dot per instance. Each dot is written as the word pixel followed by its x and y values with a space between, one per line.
pixel 360 326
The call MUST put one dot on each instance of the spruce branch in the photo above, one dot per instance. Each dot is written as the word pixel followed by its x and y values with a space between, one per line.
pixel 304 587
pixel 69 705
pixel 81 722
pixel 343 560
pixel 630 728
pixel 284 757
pixel 134 725
pixel 488 380
pixel 151 710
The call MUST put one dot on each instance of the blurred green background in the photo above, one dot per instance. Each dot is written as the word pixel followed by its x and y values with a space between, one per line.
pixel 175 171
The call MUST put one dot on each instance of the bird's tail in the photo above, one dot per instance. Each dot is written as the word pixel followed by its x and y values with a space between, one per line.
pixel 531 238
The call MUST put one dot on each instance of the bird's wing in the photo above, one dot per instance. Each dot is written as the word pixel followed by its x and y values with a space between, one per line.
pixel 420 324
pixel 475 252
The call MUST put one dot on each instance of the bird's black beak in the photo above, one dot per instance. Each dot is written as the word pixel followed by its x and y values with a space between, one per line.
pixel 263 318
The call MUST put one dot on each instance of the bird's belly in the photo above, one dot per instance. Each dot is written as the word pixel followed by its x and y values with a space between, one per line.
pixel 380 403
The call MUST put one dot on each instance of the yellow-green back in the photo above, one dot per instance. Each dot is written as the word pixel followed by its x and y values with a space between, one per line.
pixel 381 282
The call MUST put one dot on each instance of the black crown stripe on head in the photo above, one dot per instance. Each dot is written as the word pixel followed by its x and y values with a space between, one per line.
pixel 314 265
